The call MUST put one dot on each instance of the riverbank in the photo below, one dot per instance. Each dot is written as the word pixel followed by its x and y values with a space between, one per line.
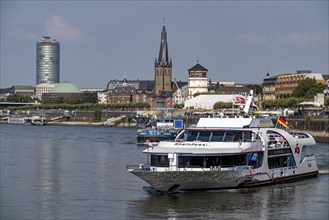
pixel 319 136
pixel 95 124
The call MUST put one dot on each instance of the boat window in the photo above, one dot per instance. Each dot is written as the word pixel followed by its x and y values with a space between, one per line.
pixel 281 161
pixel 181 136
pixel 192 135
pixel 229 136
pixel 204 135
pixel 217 136
pixel 159 161
pixel 255 159
pixel 282 151
pixel 246 136
pixel 276 140
pixel 212 161
pixel 303 153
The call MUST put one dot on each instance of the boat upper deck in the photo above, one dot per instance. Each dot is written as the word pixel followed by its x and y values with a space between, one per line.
pixel 234 123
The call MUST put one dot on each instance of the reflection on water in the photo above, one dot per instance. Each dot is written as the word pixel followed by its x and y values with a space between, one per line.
pixel 287 201
pixel 48 180
pixel 55 172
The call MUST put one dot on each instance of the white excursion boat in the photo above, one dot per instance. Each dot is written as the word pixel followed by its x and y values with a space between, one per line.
pixel 227 153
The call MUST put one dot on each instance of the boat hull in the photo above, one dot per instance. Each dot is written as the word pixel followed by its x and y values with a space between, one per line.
pixel 173 181
pixel 191 180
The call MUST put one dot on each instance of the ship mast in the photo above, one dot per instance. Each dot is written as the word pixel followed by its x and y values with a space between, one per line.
pixel 248 102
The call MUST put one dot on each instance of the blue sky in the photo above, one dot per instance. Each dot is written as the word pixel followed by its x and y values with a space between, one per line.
pixel 103 40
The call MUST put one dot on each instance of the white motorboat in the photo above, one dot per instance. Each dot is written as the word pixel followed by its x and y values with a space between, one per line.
pixel 38 120
pixel 164 129
pixel 227 153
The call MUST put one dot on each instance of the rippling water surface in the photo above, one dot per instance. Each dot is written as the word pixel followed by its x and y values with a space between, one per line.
pixel 63 172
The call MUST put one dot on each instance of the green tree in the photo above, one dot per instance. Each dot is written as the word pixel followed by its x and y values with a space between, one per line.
pixel 307 88
pixel 97 114
pixel 257 88
pixel 219 105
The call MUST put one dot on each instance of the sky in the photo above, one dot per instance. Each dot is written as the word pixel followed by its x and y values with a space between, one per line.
pixel 237 41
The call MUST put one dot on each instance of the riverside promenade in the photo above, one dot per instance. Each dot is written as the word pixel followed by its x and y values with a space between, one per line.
pixel 318 128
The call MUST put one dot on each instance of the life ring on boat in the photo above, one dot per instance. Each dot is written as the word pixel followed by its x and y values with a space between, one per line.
pixel 297 150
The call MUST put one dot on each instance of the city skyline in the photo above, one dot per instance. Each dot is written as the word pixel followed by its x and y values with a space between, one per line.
pixel 236 41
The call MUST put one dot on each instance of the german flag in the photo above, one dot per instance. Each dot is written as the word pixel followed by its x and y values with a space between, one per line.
pixel 282 122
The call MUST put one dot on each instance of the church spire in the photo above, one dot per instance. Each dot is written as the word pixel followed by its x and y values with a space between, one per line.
pixel 163 59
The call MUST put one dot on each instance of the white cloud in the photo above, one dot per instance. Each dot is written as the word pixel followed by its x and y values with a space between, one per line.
pixel 252 39
pixel 320 38
pixel 304 39
pixel 57 27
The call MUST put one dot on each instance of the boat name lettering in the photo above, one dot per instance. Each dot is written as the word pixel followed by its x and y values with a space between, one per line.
pixel 192 144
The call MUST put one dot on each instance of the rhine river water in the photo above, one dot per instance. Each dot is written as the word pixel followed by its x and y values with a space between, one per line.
pixel 76 172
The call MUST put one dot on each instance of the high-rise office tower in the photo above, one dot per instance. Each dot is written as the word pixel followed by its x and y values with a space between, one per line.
pixel 47 61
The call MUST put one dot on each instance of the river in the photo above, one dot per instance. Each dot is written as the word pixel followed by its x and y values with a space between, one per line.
pixel 77 172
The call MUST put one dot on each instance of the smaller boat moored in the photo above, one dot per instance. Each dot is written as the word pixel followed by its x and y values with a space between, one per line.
pixel 159 130
pixel 38 120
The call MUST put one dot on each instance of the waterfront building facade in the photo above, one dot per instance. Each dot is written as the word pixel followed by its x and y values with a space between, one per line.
pixel 43 88
pixel 47 61
pixel 63 92
pixel 285 84
pixel 146 85
pixel 268 87
pixel 22 90
pixel 197 80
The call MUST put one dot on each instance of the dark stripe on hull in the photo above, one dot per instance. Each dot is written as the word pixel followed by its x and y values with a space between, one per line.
pixel 277 180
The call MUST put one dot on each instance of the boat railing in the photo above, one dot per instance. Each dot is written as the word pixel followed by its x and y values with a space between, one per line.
pixel 282 171
pixel 147 168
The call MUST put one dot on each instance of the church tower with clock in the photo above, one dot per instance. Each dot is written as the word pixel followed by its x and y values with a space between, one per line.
pixel 163 67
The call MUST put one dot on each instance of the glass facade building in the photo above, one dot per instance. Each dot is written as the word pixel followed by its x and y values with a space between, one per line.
pixel 47 61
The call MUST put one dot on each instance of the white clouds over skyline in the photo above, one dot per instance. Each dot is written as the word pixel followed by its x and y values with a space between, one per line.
pixel 252 39
pixel 100 40
pixel 57 27
pixel 320 38
pixel 302 39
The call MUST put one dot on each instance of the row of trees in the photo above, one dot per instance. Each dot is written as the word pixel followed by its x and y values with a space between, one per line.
pixel 273 104
pixel 84 106
pixel 283 103
pixel 305 91
pixel 87 97
pixel 18 98
pixel 220 105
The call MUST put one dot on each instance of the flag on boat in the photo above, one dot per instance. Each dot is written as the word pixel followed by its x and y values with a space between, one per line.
pixel 239 99
pixel 282 122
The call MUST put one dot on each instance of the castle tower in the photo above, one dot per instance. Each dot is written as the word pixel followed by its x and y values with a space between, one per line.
pixel 163 66
pixel 197 80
